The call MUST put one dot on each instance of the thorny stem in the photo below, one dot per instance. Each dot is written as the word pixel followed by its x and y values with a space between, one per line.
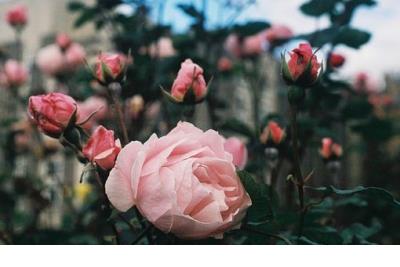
pixel 113 88
pixel 297 168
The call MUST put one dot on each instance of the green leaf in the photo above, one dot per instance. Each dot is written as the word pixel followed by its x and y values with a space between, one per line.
pixel 359 233
pixel 250 28
pixel 376 192
pixel 75 6
pixel 351 37
pixel 260 209
pixel 191 10
pixel 236 126
pixel 86 16
pixel 317 8
pixel 323 235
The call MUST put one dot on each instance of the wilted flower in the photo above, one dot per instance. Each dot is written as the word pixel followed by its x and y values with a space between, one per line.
pixel 272 134
pixel 302 68
pixel 53 112
pixel 102 148
pixel 238 150
pixel 16 74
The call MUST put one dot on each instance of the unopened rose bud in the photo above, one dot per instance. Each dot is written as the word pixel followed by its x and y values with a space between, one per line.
pixel 189 86
pixel 336 60
pixel 238 151
pixel 52 113
pixel 102 149
pixel 109 68
pixel 330 150
pixel 17 16
pixel 302 68
pixel 16 74
pixel 63 41
pixel 272 134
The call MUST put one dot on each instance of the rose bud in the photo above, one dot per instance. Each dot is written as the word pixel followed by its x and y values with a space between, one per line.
pixel 254 45
pixel 189 86
pixel 16 74
pixel 90 111
pixel 183 183
pixel 365 84
pixel 63 41
pixel 272 134
pixel 278 33
pixel 109 68
pixel 330 150
pixel 101 148
pixel 224 64
pixel 233 46
pixel 52 113
pixel 302 68
pixel 163 48
pixel 17 16
pixel 50 60
pixel 336 60
pixel 238 150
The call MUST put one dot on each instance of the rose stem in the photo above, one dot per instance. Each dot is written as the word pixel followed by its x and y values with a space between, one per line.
pixel 297 168
pixel 112 89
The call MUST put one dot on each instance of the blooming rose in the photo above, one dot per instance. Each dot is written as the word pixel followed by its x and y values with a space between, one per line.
pixel 16 74
pixel 190 76
pixel 102 148
pixel 329 149
pixel 52 112
pixel 163 48
pixel 63 41
pixel 336 60
pixel 17 16
pixel 238 150
pixel 109 67
pixel 184 183
pixel 272 133
pixel 224 64
pixel 302 68
pixel 278 33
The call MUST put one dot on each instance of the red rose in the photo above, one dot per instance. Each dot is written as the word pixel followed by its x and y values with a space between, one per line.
pixel 329 149
pixel 101 148
pixel 272 133
pixel 53 112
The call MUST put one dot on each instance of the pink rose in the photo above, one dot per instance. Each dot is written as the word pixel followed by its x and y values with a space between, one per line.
pixel 75 56
pixel 330 149
pixel 190 76
pixel 50 60
pixel 278 33
pixel 297 69
pixel 224 64
pixel 163 48
pixel 63 41
pixel 184 183
pixel 101 148
pixel 364 83
pixel 238 150
pixel 336 60
pixel 17 16
pixel 52 112
pixel 16 73
pixel 109 67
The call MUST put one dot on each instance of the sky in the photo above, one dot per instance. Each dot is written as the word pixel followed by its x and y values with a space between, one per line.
pixel 377 57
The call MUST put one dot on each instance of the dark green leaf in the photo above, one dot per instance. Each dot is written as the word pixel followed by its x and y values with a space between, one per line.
pixel 352 37
pixel 75 6
pixel 358 232
pixel 317 8
pixel 250 28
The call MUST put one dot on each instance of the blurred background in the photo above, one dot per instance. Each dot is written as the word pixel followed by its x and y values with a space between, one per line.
pixel 357 104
